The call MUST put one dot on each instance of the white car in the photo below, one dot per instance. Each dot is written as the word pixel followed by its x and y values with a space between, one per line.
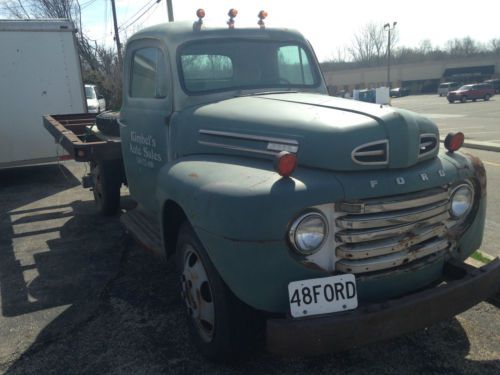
pixel 95 101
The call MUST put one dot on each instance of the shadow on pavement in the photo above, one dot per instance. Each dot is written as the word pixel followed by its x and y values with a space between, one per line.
pixel 137 325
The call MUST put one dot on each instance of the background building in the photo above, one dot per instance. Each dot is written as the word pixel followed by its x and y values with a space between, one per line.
pixel 423 77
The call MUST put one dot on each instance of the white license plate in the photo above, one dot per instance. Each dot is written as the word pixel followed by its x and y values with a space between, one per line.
pixel 322 296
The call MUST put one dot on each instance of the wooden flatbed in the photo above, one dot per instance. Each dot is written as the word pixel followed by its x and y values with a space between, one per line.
pixel 79 136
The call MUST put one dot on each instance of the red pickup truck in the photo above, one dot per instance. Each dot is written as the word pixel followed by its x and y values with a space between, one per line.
pixel 472 92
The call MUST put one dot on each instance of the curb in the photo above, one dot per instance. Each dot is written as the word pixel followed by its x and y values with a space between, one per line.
pixel 486 146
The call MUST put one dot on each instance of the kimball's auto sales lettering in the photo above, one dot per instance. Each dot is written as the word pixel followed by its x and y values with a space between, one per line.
pixel 144 147
pixel 401 180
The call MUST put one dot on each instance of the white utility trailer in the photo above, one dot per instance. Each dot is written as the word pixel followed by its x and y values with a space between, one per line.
pixel 40 73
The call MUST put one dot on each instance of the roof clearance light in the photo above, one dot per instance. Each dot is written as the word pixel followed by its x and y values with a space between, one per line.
pixel 232 13
pixel 200 13
pixel 454 141
pixel 285 163
pixel 262 16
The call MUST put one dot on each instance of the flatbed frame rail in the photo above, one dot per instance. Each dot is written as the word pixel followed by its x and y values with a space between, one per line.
pixel 76 134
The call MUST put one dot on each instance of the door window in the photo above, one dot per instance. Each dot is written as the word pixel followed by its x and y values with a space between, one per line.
pixel 294 66
pixel 148 74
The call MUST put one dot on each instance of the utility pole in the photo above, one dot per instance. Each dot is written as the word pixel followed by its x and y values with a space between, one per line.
pixel 170 11
pixel 117 36
pixel 389 29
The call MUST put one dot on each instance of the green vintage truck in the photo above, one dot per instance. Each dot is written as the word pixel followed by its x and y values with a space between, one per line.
pixel 335 222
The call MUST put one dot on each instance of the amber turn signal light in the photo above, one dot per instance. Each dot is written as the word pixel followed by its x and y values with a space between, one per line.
pixel 200 13
pixel 454 141
pixel 285 163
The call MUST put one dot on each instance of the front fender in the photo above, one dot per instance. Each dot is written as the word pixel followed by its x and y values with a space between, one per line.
pixel 243 198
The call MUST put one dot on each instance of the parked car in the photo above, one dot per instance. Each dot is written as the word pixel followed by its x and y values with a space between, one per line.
pixel 95 101
pixel 472 92
pixel 399 92
pixel 495 83
pixel 446 87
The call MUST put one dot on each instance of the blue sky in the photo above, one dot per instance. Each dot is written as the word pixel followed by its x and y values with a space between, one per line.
pixel 328 24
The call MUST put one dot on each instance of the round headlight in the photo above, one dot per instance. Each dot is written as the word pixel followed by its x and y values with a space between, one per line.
pixel 308 232
pixel 461 201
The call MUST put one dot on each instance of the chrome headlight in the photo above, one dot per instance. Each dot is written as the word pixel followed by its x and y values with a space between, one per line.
pixel 461 201
pixel 308 232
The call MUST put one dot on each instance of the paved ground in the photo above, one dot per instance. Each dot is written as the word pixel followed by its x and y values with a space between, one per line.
pixel 478 120
pixel 77 296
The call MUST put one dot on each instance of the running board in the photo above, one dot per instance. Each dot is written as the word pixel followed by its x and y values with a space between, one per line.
pixel 144 229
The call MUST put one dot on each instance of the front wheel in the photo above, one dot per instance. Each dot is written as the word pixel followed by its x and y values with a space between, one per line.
pixel 487 97
pixel 451 101
pixel 218 322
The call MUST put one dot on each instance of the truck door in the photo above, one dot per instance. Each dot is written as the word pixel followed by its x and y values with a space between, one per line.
pixel 144 118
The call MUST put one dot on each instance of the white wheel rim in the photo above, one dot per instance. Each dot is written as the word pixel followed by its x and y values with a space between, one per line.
pixel 197 293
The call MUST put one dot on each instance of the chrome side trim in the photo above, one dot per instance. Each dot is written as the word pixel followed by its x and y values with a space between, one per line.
pixel 355 153
pixel 395 218
pixel 349 236
pixel 427 135
pixel 248 137
pixel 392 260
pixel 423 198
pixel 392 245
pixel 237 148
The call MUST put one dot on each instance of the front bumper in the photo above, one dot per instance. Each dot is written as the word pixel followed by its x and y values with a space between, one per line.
pixel 466 286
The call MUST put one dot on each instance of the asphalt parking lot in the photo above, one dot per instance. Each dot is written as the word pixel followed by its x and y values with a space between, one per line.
pixel 479 120
pixel 78 296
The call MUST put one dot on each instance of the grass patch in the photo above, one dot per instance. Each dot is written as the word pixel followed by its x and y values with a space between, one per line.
pixel 480 257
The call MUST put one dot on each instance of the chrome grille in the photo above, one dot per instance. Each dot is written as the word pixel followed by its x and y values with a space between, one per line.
pixel 374 235
pixel 428 143
pixel 373 153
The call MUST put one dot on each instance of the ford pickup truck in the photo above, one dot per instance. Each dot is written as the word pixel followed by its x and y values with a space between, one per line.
pixel 336 223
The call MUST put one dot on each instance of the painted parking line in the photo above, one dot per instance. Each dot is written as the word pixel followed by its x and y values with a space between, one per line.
pixel 491 163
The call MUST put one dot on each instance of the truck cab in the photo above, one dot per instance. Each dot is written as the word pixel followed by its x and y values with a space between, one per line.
pixel 334 222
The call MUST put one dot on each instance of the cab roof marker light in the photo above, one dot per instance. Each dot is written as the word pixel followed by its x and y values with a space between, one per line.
pixel 262 16
pixel 197 25
pixel 454 141
pixel 231 14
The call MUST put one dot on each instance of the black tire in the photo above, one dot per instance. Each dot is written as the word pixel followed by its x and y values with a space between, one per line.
pixel 487 97
pixel 463 99
pixel 231 333
pixel 107 180
pixel 107 123
pixel 451 101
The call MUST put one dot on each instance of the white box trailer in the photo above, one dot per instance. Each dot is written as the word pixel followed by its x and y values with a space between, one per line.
pixel 40 73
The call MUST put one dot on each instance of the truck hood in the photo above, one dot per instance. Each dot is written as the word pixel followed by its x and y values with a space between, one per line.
pixel 325 132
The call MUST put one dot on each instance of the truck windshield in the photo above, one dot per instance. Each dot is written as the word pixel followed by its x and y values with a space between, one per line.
pixel 89 92
pixel 246 64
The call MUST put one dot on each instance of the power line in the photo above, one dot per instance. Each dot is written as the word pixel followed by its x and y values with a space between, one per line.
pixel 129 23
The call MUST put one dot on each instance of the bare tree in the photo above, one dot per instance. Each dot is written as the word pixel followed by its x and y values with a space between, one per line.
pixel 369 45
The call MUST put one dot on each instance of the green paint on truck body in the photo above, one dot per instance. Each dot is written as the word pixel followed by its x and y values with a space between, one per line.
pixel 212 155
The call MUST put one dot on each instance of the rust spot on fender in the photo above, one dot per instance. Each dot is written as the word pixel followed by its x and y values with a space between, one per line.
pixel 479 172
pixel 193 175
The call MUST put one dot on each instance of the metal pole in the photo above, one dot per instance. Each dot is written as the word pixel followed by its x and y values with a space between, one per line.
pixel 389 60
pixel 117 36
pixel 170 11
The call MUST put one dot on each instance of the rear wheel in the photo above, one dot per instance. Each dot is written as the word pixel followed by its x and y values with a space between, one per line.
pixel 220 324
pixel 487 97
pixel 106 179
